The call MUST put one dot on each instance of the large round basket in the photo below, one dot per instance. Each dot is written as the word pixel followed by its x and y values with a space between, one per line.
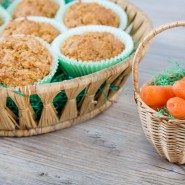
pixel 165 134
pixel 93 102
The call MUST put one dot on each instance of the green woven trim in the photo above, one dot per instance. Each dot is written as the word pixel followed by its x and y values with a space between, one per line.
pixel 59 101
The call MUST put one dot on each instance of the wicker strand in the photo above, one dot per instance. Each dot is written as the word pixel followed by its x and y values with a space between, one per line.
pixel 105 91
pixel 120 81
pixel 6 118
pixel 26 118
pixel 49 114
pixel 88 102
pixel 70 110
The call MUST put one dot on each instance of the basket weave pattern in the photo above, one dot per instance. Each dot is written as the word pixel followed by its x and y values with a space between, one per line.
pixel 91 104
pixel 165 134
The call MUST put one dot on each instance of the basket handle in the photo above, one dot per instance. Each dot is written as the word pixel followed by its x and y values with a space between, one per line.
pixel 143 46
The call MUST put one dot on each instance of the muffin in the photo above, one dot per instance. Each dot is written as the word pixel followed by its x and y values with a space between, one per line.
pixel 45 8
pixel 45 28
pixel 88 49
pixel 92 46
pixel 4 16
pixel 26 60
pixel 92 12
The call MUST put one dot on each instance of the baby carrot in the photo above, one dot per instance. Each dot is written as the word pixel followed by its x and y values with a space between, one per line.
pixel 179 88
pixel 157 95
pixel 176 107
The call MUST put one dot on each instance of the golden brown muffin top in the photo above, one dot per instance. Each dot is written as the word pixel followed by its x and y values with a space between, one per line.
pixel 45 8
pixel 23 61
pixel 92 46
pixel 27 27
pixel 83 13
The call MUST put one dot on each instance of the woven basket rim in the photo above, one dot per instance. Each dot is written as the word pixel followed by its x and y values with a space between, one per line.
pixel 69 84
pixel 87 78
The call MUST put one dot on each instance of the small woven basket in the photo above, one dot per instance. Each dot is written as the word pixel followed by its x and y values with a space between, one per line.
pixel 89 106
pixel 165 134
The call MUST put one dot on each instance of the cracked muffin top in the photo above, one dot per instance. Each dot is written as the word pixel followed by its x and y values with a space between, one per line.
pixel 92 46
pixel 23 61
pixel 45 8
pixel 84 13
pixel 45 31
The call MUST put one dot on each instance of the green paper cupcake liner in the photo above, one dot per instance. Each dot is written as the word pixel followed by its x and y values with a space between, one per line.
pixel 54 66
pixel 39 19
pixel 12 7
pixel 5 3
pixel 76 68
pixel 107 4
pixel 4 16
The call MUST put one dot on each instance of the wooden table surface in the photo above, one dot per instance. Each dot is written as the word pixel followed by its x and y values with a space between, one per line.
pixel 110 149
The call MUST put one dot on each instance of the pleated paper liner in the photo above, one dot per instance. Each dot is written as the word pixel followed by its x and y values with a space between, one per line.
pixel 80 68
pixel 107 4
pixel 4 16
pixel 54 66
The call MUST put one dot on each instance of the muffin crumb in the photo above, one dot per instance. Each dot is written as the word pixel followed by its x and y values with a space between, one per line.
pixel 46 8
pixel 92 46
pixel 80 14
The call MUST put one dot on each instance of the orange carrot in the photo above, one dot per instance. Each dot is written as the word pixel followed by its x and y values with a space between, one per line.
pixel 179 88
pixel 176 107
pixel 157 95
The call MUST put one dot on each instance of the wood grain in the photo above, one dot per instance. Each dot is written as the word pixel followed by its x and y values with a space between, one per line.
pixel 110 149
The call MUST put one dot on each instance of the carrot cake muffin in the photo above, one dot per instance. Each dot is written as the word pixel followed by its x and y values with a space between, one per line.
pixel 46 8
pixel 88 49
pixel 26 26
pixel 92 12
pixel 92 46
pixel 23 61
pixel 83 13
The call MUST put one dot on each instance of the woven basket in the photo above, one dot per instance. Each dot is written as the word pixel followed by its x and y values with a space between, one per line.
pixel 165 134
pixel 91 104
